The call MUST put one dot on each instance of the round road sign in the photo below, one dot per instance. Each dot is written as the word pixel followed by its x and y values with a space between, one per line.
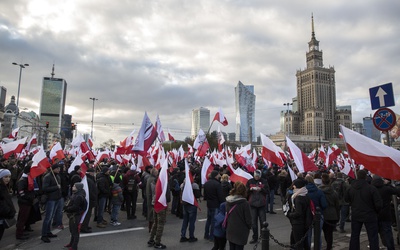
pixel 384 119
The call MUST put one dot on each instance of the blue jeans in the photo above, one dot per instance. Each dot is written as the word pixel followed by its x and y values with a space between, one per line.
pixel 58 214
pixel 385 231
pixel 372 232
pixel 115 211
pixel 257 214
pixel 344 213
pixel 310 233
pixel 209 230
pixel 100 209
pixel 270 200
pixel 50 211
pixel 189 218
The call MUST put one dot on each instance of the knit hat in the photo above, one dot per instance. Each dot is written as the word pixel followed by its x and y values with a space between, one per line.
pixel 78 185
pixel 299 183
pixel 214 174
pixel 4 172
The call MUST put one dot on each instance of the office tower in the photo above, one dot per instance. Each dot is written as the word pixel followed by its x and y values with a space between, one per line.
pixel 52 103
pixel 245 103
pixel 369 129
pixel 200 120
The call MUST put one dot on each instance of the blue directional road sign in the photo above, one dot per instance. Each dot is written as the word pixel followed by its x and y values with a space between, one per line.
pixel 384 119
pixel 382 96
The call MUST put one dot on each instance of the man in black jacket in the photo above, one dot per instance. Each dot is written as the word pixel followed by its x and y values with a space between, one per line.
pixel 258 190
pixel 104 191
pixel 365 203
pixel 214 197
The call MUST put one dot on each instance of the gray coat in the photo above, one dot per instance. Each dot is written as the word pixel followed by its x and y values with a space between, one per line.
pixel 239 220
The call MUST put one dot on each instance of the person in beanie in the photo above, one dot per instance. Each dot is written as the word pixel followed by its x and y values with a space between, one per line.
pixel 7 209
pixel 214 197
pixel 76 207
pixel 299 206
pixel 104 192
pixel 258 190
pixel 26 195
pixel 52 188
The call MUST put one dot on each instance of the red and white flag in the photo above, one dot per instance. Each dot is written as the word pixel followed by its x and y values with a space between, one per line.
pixel 333 153
pixel 146 136
pixel 187 194
pixel 56 152
pixel 344 166
pixel 86 188
pixel 90 142
pixel 376 157
pixel 269 151
pixel 14 133
pixel 31 142
pixel 201 144
pixel 206 170
pixel 170 137
pixel 239 175
pixel 321 153
pixel 161 189
pixel 220 117
pixel 127 142
pixel 78 161
pixel 221 139
pixel 14 147
pixel 303 164
pixel 160 130
pixel 40 163
pixel 102 155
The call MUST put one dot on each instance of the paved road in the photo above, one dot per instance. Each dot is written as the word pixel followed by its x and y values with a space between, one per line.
pixel 133 234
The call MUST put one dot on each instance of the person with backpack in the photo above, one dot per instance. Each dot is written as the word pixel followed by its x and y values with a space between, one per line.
pixel 299 214
pixel 219 229
pixel 130 182
pixel 75 208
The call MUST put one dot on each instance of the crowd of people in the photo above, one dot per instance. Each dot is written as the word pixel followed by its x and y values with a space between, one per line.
pixel 234 209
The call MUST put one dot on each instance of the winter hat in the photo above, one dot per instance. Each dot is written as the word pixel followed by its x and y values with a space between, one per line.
pixel 104 170
pixel 299 183
pixel 4 172
pixel 257 173
pixel 78 185
pixel 54 166
pixel 214 174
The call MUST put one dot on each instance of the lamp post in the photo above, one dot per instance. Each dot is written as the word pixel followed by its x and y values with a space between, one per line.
pixel 21 66
pixel 287 112
pixel 93 99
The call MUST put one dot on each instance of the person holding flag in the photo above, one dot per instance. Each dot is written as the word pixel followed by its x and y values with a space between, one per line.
pixel 75 208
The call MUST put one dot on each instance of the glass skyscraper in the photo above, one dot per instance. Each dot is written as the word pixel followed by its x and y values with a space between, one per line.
pixel 52 103
pixel 245 104
pixel 200 120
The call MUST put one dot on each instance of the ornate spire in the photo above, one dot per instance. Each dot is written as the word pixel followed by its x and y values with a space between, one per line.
pixel 312 26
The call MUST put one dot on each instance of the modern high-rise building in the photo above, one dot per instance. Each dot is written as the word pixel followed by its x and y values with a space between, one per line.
pixel 52 103
pixel 369 129
pixel 315 113
pixel 200 120
pixel 245 104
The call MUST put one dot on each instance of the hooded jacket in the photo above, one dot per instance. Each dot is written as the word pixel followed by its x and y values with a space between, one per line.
pixel 386 192
pixel 317 196
pixel 77 204
pixel 364 200
pixel 239 220
pixel 332 211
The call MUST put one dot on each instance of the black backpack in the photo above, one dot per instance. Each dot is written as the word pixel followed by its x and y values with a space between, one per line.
pixel 132 184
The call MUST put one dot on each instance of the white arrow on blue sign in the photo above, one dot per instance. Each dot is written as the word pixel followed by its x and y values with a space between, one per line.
pixel 382 96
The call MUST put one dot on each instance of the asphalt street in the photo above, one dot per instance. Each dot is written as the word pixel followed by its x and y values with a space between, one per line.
pixel 133 234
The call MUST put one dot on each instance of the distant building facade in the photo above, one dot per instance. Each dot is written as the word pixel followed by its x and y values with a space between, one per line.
pixel 200 120
pixel 52 103
pixel 370 130
pixel 245 106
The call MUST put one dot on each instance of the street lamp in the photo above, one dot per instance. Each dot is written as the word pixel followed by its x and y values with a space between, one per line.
pixel 21 66
pixel 287 112
pixel 93 99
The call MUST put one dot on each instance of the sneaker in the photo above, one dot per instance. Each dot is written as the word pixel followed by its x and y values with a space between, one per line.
pixel 159 246
pixel 192 239
pixel 183 239
pixel 116 223
pixel 150 243
pixel 45 239
pixel 253 241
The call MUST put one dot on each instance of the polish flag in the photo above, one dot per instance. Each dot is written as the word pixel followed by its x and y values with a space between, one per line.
pixel 269 151
pixel 239 175
pixel 206 170
pixel 281 153
pixel 142 162
pixel 86 150
pixel 77 141
pixel 190 149
pixel 375 156
pixel 127 142
pixel 340 135
pixel 201 144
pixel 344 166
pixel 187 194
pixel 14 133
pixel 311 155
pixel 161 189
pixel 15 147
pixel 31 142
pixel 86 188
pixel 302 162
pixel 220 117
pixel 160 131
pixel 333 153
pixel 321 153
pixel 56 152
pixel 90 142
pixel 170 137
pixel 147 135
pixel 77 161
pixel 102 155
pixel 40 163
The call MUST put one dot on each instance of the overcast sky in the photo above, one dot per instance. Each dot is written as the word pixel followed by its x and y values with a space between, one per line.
pixel 168 57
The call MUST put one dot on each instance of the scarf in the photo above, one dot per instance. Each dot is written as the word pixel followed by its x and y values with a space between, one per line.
pixel 298 192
